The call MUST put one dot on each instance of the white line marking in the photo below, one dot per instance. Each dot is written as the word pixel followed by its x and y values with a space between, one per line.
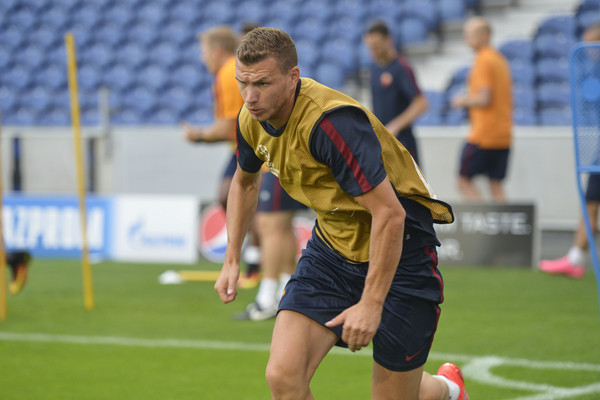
pixel 476 368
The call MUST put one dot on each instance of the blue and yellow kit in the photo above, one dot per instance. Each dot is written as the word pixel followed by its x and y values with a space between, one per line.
pixel 329 128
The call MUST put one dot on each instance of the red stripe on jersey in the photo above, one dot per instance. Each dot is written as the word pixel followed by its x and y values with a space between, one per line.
pixel 345 151
pixel 431 253
pixel 409 71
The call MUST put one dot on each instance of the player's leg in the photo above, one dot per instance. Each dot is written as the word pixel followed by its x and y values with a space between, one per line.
pixel 469 167
pixel 498 165
pixel 392 385
pixel 298 346
pixel 581 238
pixel 278 253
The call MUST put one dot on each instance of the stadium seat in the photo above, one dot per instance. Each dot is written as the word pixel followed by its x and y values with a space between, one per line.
pixel 521 49
pixel 220 11
pixel 330 74
pixel 17 77
pixel 8 99
pixel 552 70
pixel 177 32
pixel 118 13
pixel 142 33
pixel 126 116
pixel 413 31
pixel 161 116
pixel 553 116
pixel 109 33
pixel 140 99
pixel 283 11
pixel 523 73
pixel 455 117
pixel 98 54
pixel 524 97
pixel 342 52
pixel 553 95
pixel 164 54
pixel 347 28
pixel 20 116
pixel 310 28
pixel 423 9
pixel 23 18
pixel 153 76
pixel 131 54
pixel 88 77
pixel 549 45
pixel 54 117
pixel 188 11
pixel 190 75
pixel 323 10
pixel 118 77
pixel 11 36
pixel 388 10
pixel 43 37
pixel 430 118
pixel 308 53
pixel 525 116
pixel 355 9
pixel 459 77
pixel 587 18
pixel 87 14
pixel 151 12
pixel 452 11
pixel 564 25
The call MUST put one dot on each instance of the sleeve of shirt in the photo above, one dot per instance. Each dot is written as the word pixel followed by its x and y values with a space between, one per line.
pixel 481 75
pixel 246 157
pixel 345 141
pixel 409 83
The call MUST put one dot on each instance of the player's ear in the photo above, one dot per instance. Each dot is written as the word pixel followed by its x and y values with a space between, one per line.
pixel 295 74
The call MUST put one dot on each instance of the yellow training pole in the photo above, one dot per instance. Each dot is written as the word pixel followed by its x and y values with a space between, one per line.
pixel 88 288
pixel 2 254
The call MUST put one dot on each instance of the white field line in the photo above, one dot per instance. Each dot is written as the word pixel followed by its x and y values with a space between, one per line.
pixel 476 368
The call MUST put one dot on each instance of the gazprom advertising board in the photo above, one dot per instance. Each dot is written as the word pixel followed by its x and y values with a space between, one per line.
pixel 49 226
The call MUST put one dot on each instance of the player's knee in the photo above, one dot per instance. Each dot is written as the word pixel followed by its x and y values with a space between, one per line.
pixel 283 380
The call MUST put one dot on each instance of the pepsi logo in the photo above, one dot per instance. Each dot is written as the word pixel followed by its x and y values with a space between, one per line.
pixel 212 238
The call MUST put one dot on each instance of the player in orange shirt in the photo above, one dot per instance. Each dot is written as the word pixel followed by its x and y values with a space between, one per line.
pixel 489 101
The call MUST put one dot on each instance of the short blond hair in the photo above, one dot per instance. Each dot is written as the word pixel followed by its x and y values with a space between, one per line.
pixel 221 36
pixel 261 43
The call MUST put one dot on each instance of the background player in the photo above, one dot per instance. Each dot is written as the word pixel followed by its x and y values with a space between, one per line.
pixel 397 99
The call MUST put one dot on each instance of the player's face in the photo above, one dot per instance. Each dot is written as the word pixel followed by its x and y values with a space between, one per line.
pixel 378 45
pixel 208 56
pixel 268 93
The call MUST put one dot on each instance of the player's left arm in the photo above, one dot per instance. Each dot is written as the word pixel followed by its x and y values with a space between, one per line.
pixel 221 130
pixel 417 106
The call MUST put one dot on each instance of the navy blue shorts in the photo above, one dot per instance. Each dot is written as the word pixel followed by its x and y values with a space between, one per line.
pixel 592 192
pixel 272 197
pixel 231 167
pixel 490 162
pixel 325 284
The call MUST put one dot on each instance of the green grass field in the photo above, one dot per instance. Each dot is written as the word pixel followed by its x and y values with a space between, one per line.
pixel 517 333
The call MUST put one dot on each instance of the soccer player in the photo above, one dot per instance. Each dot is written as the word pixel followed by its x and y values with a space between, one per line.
pixel 573 263
pixel 369 272
pixel 489 102
pixel 397 99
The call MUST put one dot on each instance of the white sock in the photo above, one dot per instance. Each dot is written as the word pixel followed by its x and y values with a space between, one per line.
pixel 266 292
pixel 576 255
pixel 283 280
pixel 453 388
pixel 252 255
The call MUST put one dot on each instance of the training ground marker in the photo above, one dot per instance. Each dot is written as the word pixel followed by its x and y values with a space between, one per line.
pixel 475 368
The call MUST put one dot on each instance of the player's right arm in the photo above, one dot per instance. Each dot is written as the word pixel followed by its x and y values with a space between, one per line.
pixel 241 205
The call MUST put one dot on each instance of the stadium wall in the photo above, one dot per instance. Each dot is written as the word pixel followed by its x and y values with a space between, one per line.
pixel 138 160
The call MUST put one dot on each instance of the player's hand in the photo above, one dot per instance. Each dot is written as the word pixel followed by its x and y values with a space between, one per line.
pixel 459 101
pixel 191 133
pixel 226 285
pixel 361 322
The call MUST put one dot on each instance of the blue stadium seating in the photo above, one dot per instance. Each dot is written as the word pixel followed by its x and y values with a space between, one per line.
pixel 341 52
pixel 553 95
pixel 524 97
pixel 553 116
pixel 452 11
pixel 523 73
pixel 423 9
pixel 413 30
pixel 330 74
pixel 552 70
pixel 550 45
pixel 525 116
pixel 564 25
pixel 521 49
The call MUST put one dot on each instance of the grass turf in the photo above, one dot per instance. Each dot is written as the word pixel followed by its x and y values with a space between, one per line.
pixel 511 313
